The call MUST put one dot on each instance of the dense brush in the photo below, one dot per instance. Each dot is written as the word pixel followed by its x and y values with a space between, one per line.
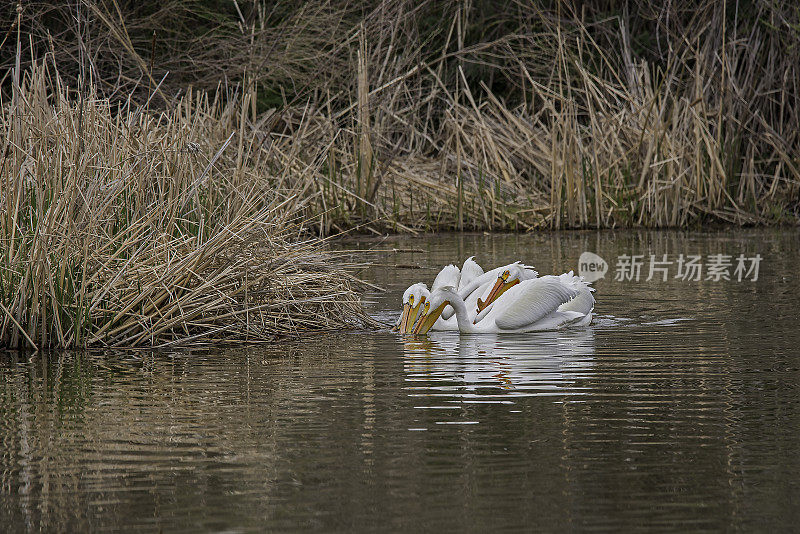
pixel 123 227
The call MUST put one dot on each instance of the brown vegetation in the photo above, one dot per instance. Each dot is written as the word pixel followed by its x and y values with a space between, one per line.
pixel 490 114
pixel 126 228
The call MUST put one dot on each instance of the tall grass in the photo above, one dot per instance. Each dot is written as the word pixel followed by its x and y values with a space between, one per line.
pixel 589 135
pixel 123 227
pixel 488 114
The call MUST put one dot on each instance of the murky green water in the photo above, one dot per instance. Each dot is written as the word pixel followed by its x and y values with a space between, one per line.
pixel 679 409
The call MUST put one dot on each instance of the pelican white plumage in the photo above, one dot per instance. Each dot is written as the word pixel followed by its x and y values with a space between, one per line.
pixel 471 304
pixel 470 271
pixel 476 287
pixel 528 306
pixel 515 274
pixel 475 290
pixel 583 301
pixel 519 270
pixel 413 299
pixel 450 275
pixel 479 293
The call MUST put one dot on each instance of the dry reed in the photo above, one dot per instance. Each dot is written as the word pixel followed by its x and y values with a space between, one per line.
pixel 122 227
pixel 410 116
pixel 590 135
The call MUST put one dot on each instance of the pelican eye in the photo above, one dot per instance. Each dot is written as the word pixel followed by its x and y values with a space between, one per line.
pixel 427 306
pixel 411 300
pixel 505 275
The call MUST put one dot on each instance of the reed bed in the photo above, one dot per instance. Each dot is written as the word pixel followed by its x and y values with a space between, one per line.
pixel 125 227
pixel 596 139
pixel 493 115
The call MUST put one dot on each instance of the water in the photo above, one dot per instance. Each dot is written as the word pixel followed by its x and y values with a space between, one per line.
pixel 679 409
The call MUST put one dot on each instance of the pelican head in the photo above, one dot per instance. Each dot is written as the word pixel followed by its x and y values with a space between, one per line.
pixel 413 300
pixel 434 307
pixel 508 278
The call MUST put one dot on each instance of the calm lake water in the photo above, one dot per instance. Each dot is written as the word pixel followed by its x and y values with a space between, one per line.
pixel 678 409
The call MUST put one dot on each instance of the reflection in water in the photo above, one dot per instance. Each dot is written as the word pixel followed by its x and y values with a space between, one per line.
pixel 483 367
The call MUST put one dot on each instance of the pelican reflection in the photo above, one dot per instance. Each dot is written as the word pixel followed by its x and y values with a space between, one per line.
pixel 486 366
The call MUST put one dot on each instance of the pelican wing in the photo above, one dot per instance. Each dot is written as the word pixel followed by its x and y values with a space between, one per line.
pixel 448 276
pixel 532 302
pixel 469 271
pixel 528 272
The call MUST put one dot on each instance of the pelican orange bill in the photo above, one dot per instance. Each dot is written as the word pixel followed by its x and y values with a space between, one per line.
pixel 404 318
pixel 500 287
pixel 410 314
pixel 427 321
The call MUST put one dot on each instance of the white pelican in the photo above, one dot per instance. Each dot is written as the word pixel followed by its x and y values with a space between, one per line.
pixel 474 288
pixel 413 298
pixel 528 306
pixel 450 275
pixel 473 285
pixel 515 273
